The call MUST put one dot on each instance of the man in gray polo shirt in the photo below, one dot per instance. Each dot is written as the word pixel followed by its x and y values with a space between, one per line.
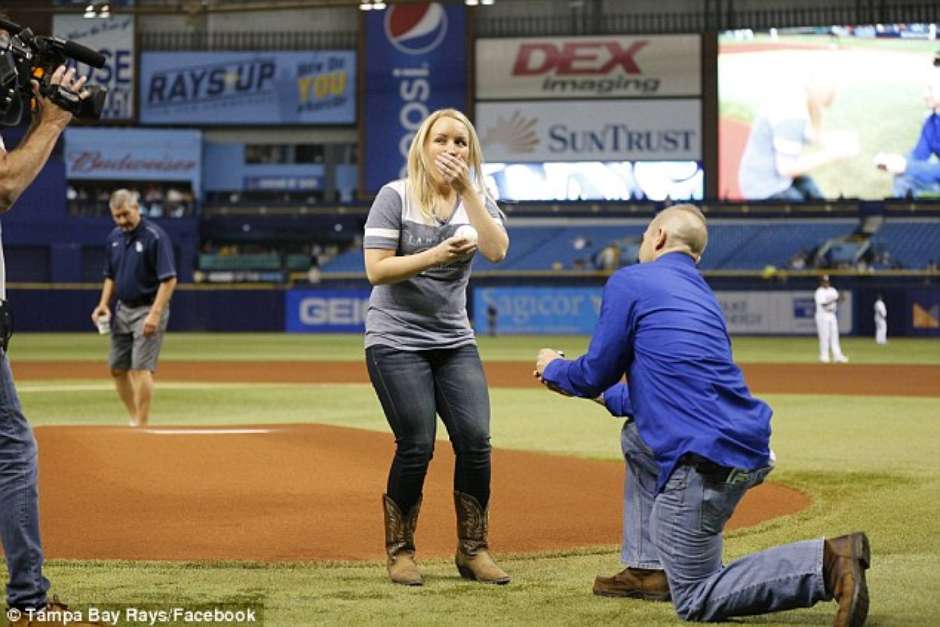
pixel 140 270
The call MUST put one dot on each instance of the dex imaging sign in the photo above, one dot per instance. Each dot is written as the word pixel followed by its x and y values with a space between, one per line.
pixel 326 311
pixel 589 67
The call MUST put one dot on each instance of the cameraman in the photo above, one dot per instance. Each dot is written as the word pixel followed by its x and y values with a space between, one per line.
pixel 19 507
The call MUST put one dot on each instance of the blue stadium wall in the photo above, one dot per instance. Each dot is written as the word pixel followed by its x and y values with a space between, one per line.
pixel 338 306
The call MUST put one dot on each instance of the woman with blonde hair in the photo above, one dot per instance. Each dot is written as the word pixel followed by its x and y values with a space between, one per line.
pixel 421 352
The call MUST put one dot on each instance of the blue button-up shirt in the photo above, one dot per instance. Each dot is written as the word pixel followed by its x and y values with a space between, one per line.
pixel 661 325
pixel 919 165
pixel 138 261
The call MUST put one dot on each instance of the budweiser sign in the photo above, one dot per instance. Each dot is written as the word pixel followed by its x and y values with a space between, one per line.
pixel 91 161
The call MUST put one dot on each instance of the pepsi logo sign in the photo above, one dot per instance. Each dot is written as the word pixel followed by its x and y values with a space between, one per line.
pixel 415 28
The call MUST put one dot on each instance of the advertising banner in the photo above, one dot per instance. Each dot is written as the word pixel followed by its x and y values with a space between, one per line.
pixel 538 310
pixel 924 311
pixel 282 183
pixel 660 130
pixel 778 313
pixel 313 87
pixel 588 67
pixel 547 311
pixel 415 63
pixel 114 38
pixel 325 311
pixel 134 154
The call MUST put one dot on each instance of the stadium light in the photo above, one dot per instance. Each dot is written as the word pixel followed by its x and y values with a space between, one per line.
pixel 487 2
pixel 378 5
pixel 102 11
pixel 365 5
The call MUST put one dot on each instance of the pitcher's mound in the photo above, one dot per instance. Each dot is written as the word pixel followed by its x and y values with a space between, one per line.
pixel 307 492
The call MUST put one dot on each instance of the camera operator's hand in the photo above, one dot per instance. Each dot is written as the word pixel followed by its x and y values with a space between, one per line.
pixel 51 113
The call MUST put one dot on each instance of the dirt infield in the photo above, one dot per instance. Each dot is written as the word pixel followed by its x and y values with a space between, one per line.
pixel 850 379
pixel 312 492
pixel 307 492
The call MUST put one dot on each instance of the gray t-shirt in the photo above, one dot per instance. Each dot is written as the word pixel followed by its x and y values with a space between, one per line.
pixel 428 310
pixel 780 131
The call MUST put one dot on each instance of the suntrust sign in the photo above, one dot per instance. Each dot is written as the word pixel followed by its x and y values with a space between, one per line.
pixel 660 130
pixel 589 67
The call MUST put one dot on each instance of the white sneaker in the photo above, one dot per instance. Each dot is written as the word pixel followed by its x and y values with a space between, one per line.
pixel 842 359
pixel 824 360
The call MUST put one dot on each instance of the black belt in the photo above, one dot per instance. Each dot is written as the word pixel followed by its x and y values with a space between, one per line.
pixel 136 303
pixel 715 472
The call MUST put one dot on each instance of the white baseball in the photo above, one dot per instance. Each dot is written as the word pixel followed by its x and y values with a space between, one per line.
pixel 468 233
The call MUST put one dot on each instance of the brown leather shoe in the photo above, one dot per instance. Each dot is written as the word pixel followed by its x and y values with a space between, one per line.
pixel 845 560
pixel 636 583
pixel 400 543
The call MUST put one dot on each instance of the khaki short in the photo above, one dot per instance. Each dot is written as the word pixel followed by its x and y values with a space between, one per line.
pixel 130 349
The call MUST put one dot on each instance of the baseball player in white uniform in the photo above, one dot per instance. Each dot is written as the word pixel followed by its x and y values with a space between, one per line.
pixel 881 321
pixel 827 324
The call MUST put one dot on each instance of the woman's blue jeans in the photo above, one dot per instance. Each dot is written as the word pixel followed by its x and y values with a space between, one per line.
pixel 415 387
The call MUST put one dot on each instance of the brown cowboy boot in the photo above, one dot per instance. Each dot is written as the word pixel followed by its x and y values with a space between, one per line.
pixel 636 583
pixel 473 558
pixel 400 543
pixel 845 560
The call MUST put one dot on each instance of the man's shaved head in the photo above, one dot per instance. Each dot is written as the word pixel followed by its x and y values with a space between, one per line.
pixel 680 228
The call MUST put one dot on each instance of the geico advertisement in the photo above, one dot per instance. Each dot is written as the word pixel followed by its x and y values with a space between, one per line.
pixel 588 67
pixel 661 130
pixel 326 311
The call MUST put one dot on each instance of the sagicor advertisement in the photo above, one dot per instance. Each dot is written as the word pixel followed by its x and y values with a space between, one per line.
pixel 660 130
pixel 114 39
pixel 548 311
pixel 415 63
pixel 313 87
pixel 588 67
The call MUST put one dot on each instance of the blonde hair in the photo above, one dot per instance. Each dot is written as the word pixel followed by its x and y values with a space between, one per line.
pixel 123 197
pixel 421 188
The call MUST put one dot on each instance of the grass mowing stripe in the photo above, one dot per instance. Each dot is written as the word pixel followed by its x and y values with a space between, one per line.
pixel 262 347
pixel 177 385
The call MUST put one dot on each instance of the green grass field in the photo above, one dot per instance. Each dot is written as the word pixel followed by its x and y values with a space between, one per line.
pixel 869 463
